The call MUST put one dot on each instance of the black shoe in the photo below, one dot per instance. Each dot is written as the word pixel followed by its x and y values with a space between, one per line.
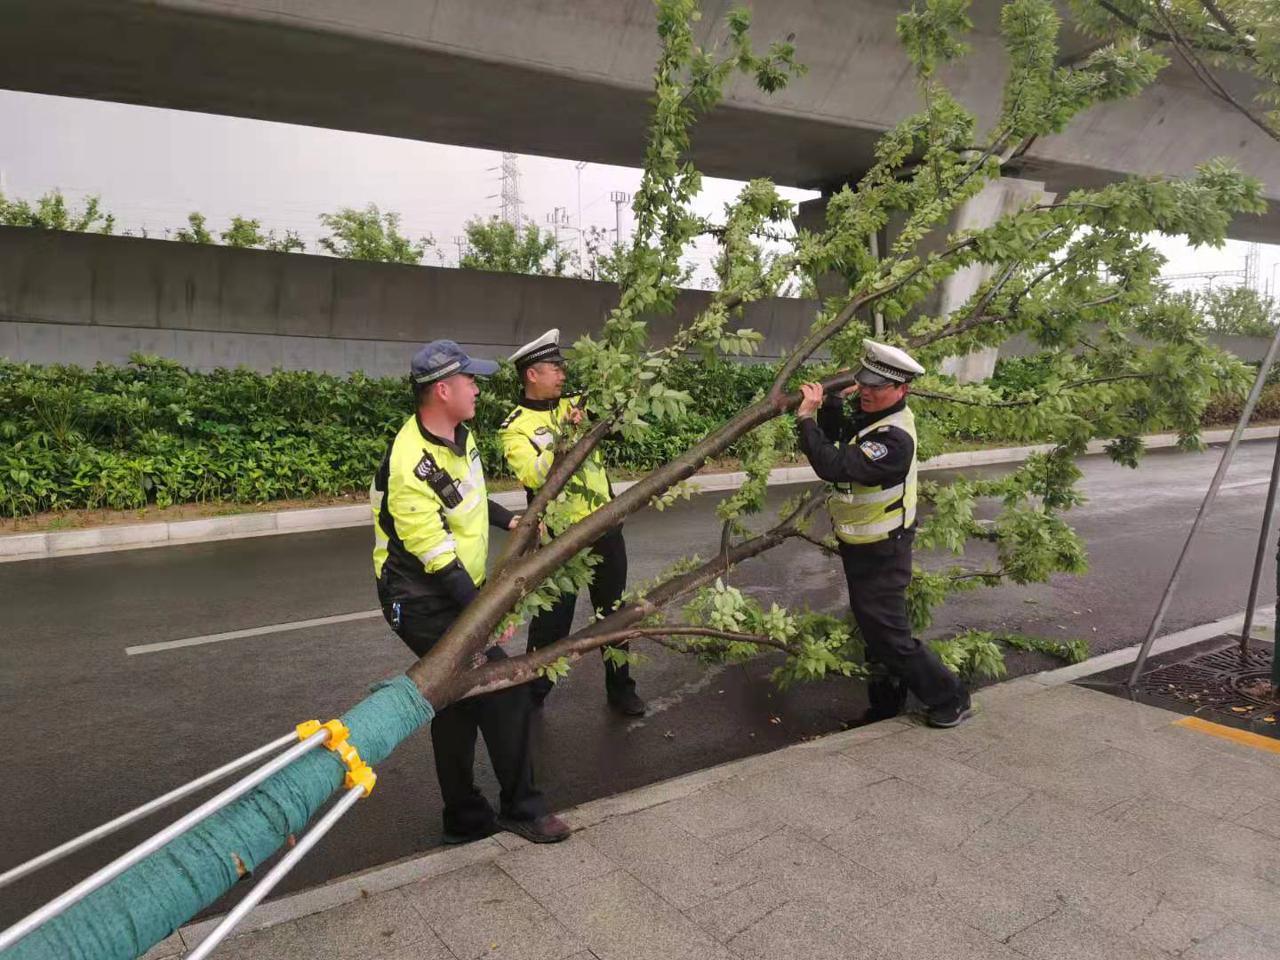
pixel 872 715
pixel 453 839
pixel 626 702
pixel 545 829
pixel 945 718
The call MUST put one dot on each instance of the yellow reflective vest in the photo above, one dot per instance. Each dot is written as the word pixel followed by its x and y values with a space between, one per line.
pixel 868 514
pixel 529 435
pixel 430 514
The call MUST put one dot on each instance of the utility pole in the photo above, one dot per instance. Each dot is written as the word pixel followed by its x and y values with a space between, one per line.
pixel 582 253
pixel 460 243
pixel 619 199
pixel 558 218
pixel 1253 266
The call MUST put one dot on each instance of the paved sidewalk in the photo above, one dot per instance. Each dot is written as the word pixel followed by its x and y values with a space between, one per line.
pixel 1059 824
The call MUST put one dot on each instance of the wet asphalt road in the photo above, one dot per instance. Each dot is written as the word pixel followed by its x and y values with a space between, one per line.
pixel 91 732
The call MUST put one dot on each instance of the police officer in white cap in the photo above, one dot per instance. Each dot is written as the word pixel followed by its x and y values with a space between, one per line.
pixel 869 456
pixel 529 434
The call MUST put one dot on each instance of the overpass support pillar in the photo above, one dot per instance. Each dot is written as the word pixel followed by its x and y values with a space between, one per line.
pixel 998 198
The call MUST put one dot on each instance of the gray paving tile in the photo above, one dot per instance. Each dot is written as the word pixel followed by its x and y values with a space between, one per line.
pixel 1028 748
pixel 808 870
pixel 281 942
pixel 906 829
pixel 619 918
pixel 1235 942
pixel 833 786
pixel 678 866
pixel 1264 818
pixel 917 765
pixel 363 927
pixel 979 735
pixel 987 901
pixel 729 914
pixel 1225 783
pixel 1102 779
pixel 798 930
pixel 428 949
pixel 923 927
pixel 1234 844
pixel 737 840
pixel 1117 902
pixel 480 911
pixel 1220 748
pixel 1069 833
pixel 1191 882
pixel 171 946
pixel 548 866
pixel 889 848
pixel 711 813
pixel 1150 918
pixel 1068 936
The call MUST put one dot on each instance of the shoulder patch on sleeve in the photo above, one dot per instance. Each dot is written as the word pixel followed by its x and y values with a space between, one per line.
pixel 872 450
pixel 426 467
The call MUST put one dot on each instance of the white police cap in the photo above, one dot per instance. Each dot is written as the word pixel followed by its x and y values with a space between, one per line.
pixel 546 349
pixel 884 364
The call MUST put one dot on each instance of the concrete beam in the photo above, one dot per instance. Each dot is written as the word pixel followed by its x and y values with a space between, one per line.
pixel 571 78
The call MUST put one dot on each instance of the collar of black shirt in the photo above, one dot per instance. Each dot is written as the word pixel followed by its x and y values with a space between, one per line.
pixel 862 419
pixel 548 404
pixel 458 444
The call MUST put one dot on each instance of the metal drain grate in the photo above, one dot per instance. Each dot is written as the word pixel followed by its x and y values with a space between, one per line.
pixel 1220 682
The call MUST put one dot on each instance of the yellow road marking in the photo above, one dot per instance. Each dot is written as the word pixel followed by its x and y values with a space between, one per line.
pixel 1242 737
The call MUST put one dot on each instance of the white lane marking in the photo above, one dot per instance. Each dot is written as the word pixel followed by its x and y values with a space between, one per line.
pixel 675 698
pixel 251 632
pixel 1245 483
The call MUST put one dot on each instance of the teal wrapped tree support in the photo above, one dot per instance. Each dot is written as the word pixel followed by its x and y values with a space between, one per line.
pixel 144 905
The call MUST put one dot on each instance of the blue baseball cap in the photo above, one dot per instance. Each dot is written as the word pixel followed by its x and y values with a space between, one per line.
pixel 443 358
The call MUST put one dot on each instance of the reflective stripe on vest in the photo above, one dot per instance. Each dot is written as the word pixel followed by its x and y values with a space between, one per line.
pixel 861 514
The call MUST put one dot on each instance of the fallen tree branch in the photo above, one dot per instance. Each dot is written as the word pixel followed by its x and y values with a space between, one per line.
pixel 513 671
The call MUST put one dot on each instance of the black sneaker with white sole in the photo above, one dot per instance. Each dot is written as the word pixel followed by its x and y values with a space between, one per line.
pixel 944 718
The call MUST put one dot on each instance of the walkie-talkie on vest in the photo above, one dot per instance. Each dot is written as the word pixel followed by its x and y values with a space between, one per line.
pixel 438 479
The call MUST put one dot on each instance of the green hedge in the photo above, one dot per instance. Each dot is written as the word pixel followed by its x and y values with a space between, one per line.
pixel 153 432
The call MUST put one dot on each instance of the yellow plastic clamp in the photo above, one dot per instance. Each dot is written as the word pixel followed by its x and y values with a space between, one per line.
pixel 338 731
pixel 359 773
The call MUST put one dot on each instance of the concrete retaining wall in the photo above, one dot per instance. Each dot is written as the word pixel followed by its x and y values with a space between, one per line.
pixel 78 298
pixel 82 299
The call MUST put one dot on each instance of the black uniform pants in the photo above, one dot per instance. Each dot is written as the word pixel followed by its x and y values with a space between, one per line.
pixel 502 718
pixel 878 574
pixel 607 587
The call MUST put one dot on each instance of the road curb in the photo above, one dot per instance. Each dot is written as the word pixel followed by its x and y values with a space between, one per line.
pixel 40 546
pixel 444 860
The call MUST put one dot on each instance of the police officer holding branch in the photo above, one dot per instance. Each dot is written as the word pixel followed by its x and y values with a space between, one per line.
pixel 529 435
pixel 431 515
pixel 870 458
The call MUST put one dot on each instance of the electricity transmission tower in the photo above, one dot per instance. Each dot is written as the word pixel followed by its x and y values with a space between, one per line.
pixel 511 189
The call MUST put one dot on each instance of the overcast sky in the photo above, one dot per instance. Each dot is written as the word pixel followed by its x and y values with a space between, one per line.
pixel 151 167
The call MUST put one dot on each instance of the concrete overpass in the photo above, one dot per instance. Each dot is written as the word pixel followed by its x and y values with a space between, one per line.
pixel 570 78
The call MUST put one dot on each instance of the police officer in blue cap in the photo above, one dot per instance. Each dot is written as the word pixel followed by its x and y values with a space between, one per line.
pixel 869 456
pixel 431 517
